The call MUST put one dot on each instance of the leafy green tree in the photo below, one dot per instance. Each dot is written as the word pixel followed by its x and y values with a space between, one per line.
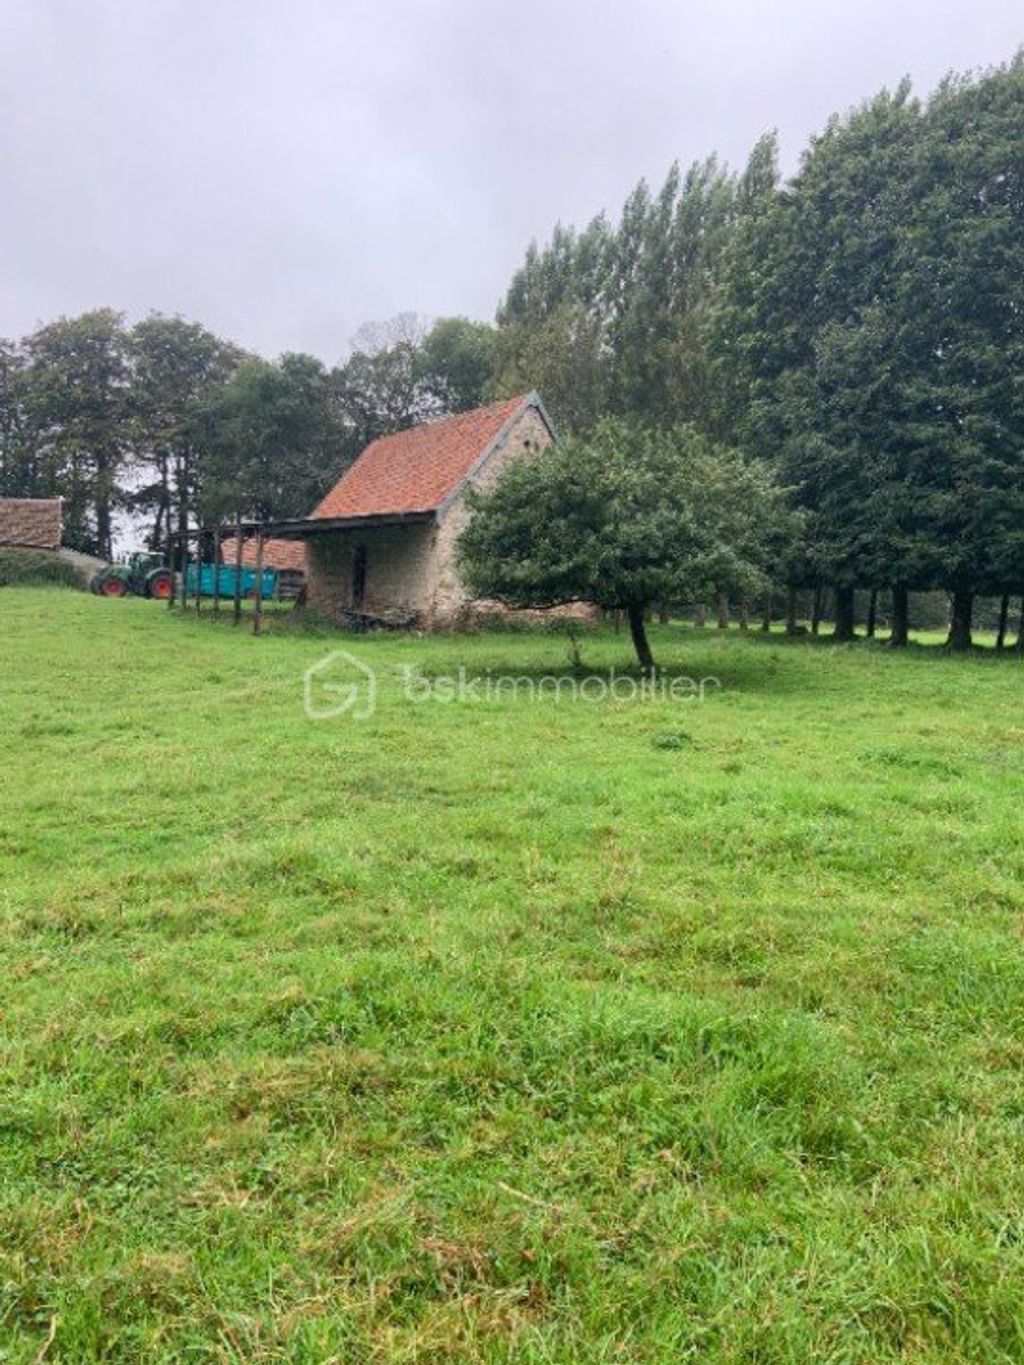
pixel 562 357
pixel 25 471
pixel 456 361
pixel 270 440
pixel 800 336
pixel 612 320
pixel 176 367
pixel 959 334
pixel 77 402
pixel 869 334
pixel 630 518
pixel 381 387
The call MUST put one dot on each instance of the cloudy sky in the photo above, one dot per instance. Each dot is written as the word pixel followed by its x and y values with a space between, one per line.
pixel 284 170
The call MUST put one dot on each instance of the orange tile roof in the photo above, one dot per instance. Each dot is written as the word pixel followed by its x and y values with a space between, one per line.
pixel 417 469
pixel 277 554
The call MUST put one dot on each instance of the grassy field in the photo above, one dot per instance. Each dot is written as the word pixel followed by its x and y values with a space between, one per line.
pixel 506 1030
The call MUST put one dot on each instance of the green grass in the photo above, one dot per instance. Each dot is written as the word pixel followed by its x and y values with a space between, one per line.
pixel 506 1030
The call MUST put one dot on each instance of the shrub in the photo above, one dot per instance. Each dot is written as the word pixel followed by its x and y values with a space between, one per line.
pixel 37 568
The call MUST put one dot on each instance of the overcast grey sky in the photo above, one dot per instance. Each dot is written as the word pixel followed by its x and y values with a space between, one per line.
pixel 283 170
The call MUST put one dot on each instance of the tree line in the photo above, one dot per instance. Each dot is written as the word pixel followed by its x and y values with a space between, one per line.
pixel 174 425
pixel 859 329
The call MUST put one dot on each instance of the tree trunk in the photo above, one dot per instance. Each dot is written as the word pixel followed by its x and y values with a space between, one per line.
pixel 156 538
pixel 872 613
pixel 700 614
pixel 104 540
pixel 163 511
pixel 791 611
pixel 844 630
pixel 1004 616
pixel 638 632
pixel 900 633
pixel 960 621
pixel 722 606
pixel 663 615
pixel 1020 630
pixel 816 611
pixel 744 613
pixel 766 617
pixel 182 514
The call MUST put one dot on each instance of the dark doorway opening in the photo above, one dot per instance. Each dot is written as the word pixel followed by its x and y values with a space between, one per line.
pixel 358 577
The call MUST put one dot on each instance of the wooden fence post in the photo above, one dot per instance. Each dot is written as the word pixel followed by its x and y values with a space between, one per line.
pixel 215 556
pixel 184 573
pixel 257 620
pixel 238 569
pixel 199 568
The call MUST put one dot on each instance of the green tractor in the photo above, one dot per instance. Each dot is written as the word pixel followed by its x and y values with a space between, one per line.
pixel 144 575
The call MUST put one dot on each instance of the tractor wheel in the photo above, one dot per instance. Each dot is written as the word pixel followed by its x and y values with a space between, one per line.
pixel 161 585
pixel 113 587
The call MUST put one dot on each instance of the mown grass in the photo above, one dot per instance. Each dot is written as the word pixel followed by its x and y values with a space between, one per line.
pixel 506 1030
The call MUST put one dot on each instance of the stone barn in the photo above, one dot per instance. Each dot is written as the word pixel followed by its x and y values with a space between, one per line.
pixel 383 539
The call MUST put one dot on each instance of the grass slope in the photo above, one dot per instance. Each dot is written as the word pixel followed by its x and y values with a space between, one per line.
pixel 506 1030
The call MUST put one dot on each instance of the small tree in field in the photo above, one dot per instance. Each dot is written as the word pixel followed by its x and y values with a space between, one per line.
pixel 626 519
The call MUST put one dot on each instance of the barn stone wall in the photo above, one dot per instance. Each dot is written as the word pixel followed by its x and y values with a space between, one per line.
pixel 529 433
pixel 399 570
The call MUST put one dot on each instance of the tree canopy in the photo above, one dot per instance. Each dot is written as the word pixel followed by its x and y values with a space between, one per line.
pixel 625 519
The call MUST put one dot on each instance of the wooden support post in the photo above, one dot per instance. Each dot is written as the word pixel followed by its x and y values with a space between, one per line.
pixel 184 572
pixel 215 556
pixel 199 570
pixel 238 569
pixel 257 620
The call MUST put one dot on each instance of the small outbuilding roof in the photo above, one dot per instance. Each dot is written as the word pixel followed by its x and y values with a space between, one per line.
pixel 277 554
pixel 419 470
pixel 31 523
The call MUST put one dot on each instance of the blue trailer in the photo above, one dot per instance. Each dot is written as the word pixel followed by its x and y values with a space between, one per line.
pixel 223 585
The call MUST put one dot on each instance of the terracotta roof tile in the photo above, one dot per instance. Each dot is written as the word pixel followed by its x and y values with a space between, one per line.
pixel 417 469
pixel 32 523
pixel 277 554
